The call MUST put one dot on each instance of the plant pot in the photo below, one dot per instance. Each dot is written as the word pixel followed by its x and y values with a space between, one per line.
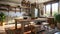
pixel 58 25
pixel 1 23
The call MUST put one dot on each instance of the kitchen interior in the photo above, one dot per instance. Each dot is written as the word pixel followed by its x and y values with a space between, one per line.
pixel 25 16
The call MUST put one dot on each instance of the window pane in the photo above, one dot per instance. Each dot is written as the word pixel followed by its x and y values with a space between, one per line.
pixel 36 12
pixel 48 10
pixel 54 8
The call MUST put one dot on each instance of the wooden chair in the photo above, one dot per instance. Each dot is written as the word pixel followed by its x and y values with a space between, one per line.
pixel 9 31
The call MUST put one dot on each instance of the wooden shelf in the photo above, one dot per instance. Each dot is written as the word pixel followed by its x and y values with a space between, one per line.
pixel 3 10
pixel 14 8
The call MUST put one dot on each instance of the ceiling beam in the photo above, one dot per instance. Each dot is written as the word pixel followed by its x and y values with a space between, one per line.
pixel 10 1
pixel 53 1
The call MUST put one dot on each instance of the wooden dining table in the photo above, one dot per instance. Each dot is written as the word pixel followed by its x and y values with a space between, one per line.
pixel 23 23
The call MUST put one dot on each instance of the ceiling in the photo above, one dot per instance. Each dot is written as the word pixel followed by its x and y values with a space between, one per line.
pixel 17 2
pixel 32 1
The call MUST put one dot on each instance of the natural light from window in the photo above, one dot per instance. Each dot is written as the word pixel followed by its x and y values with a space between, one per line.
pixel 48 10
pixel 54 8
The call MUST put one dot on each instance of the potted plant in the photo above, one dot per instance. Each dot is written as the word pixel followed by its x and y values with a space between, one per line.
pixel 2 18
pixel 57 18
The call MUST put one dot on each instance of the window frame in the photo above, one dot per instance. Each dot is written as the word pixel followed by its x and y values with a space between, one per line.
pixel 51 7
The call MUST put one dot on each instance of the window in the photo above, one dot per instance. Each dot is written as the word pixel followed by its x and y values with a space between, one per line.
pixel 36 12
pixel 54 8
pixel 50 9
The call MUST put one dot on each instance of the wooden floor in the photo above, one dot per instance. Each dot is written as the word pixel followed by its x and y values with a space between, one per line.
pixel 2 30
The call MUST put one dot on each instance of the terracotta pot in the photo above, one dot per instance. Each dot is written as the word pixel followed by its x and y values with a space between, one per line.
pixel 58 25
pixel 1 23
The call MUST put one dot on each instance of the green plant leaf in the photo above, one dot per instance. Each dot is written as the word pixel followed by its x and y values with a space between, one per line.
pixel 57 18
pixel 2 16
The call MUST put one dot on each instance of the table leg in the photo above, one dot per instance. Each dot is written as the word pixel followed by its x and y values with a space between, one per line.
pixel 22 28
pixel 16 25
